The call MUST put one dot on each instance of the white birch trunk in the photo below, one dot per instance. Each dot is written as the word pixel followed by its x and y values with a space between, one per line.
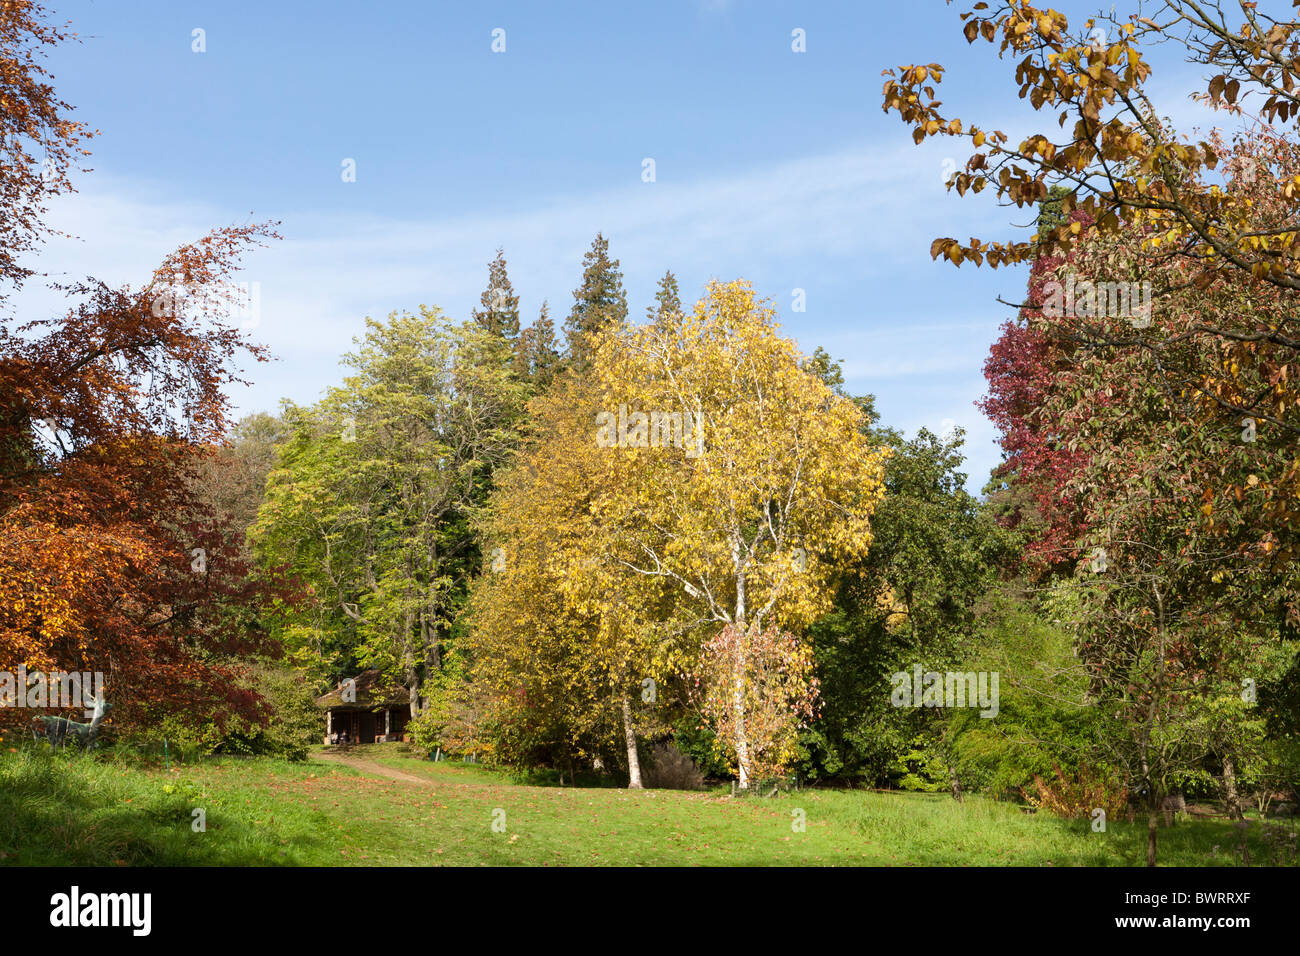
pixel 738 700
pixel 738 696
pixel 629 735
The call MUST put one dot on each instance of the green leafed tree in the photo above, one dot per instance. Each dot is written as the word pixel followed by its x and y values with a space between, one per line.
pixel 370 505
pixel 910 600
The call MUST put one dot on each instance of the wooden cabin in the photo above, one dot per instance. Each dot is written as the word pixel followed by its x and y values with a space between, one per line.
pixel 365 712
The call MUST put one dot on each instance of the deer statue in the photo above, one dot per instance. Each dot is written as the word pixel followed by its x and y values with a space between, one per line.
pixel 56 729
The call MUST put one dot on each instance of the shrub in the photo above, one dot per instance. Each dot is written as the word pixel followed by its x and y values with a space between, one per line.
pixel 295 722
pixel 667 768
pixel 175 803
pixel 921 767
pixel 1075 796
pixel 700 744
pixel 455 717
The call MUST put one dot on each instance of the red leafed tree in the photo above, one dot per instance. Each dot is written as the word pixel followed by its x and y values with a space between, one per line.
pixel 1023 365
pixel 109 559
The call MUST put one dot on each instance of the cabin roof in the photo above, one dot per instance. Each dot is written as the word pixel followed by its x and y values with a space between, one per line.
pixel 371 693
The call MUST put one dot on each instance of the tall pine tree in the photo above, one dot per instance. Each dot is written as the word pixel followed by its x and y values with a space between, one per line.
pixel 500 306
pixel 600 301
pixel 668 300
pixel 538 355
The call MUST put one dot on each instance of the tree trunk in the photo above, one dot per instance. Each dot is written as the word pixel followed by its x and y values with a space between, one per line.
pixel 1149 776
pixel 629 735
pixel 412 679
pixel 1231 796
pixel 1153 821
pixel 429 620
pixel 738 694
pixel 429 641
pixel 738 702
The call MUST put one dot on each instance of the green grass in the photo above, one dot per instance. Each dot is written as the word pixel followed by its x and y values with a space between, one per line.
pixel 72 809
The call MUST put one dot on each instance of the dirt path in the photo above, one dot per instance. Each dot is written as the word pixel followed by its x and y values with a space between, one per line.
pixel 369 766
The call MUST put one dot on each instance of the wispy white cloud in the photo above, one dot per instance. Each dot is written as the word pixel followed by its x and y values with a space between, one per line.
pixel 859 218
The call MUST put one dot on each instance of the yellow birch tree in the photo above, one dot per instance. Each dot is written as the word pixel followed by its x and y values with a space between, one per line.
pixel 693 477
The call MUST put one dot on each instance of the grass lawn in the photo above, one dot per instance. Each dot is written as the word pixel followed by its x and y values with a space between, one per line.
pixel 71 809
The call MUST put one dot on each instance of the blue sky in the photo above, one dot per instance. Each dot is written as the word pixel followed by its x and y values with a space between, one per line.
pixel 771 165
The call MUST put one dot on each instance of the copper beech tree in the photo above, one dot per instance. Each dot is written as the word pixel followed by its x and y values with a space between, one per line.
pixel 109 559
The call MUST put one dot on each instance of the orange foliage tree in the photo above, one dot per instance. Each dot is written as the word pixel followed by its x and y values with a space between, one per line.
pixel 109 560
